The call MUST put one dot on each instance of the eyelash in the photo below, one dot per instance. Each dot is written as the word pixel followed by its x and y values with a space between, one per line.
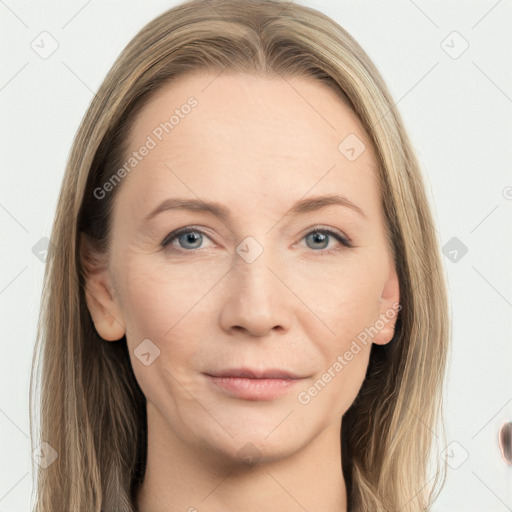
pixel 175 234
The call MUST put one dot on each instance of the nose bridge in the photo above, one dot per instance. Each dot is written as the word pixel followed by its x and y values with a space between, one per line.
pixel 256 300
pixel 251 266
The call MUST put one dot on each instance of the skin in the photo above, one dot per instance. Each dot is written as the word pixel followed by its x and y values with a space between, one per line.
pixel 256 145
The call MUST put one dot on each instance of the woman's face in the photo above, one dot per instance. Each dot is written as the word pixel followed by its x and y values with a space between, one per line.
pixel 271 278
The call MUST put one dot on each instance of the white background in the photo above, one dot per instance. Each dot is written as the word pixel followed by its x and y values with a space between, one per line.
pixel 456 110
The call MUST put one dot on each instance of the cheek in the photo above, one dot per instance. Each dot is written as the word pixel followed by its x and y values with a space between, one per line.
pixel 161 299
pixel 345 301
pixel 339 383
pixel 344 298
pixel 173 305
pixel 162 310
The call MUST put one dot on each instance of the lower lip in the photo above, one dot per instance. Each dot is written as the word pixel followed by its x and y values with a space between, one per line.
pixel 253 389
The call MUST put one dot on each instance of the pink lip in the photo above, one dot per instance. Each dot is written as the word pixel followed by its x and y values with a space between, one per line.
pixel 250 373
pixel 251 384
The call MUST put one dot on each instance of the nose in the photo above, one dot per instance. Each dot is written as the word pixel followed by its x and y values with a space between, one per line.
pixel 257 300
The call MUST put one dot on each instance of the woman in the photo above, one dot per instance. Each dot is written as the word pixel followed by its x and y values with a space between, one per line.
pixel 245 307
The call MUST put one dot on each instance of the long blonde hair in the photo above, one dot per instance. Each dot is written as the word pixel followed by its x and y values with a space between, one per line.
pixel 92 411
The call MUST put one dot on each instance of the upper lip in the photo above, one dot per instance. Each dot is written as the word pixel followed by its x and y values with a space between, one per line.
pixel 251 373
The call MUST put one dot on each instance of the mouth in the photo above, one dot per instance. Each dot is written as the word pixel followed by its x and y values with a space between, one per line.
pixel 252 384
pixel 250 373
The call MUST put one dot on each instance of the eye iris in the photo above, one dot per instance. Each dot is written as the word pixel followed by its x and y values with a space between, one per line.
pixel 191 237
pixel 317 236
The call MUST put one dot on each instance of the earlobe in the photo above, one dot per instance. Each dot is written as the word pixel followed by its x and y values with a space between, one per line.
pixel 389 309
pixel 108 322
pixel 103 307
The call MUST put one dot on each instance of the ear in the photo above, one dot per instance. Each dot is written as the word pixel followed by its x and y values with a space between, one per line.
pixel 389 308
pixel 99 292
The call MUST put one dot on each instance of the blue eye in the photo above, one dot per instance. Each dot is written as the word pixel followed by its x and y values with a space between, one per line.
pixel 186 236
pixel 321 236
pixel 190 239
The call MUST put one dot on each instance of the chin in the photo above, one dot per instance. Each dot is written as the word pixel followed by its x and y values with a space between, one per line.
pixel 249 447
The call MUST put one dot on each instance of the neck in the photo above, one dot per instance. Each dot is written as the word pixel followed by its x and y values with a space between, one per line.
pixel 179 477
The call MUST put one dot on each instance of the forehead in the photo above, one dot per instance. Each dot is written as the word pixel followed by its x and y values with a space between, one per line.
pixel 251 139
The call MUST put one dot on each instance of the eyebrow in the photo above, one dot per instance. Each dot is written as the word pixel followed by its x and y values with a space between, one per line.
pixel 301 207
